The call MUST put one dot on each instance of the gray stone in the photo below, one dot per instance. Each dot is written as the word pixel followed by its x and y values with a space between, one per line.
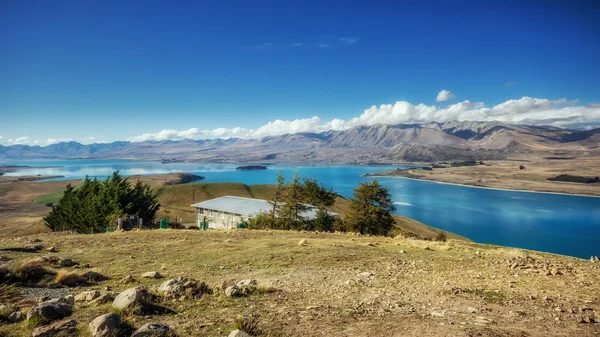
pixel 52 250
pixel 128 298
pixel 438 313
pixel 92 276
pixel 105 325
pixel 152 274
pixel 127 279
pixel 247 283
pixel 16 317
pixel 87 296
pixel 104 298
pixel 66 263
pixel 239 333
pixel 49 311
pixel 62 328
pixel 152 330
pixel 231 291
pixel 171 287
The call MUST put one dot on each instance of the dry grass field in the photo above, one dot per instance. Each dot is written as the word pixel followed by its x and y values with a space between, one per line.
pixel 507 175
pixel 335 284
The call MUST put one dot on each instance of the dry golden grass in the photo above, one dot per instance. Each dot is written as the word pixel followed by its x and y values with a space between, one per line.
pixel 318 289
pixel 67 278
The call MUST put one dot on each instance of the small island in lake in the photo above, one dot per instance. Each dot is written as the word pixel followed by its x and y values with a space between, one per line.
pixel 251 168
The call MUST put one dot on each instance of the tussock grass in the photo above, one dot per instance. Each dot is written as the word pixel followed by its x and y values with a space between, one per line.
pixel 34 270
pixel 8 293
pixel 249 324
pixel 67 278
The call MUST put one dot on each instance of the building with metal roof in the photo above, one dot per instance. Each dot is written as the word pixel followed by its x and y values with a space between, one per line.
pixel 228 211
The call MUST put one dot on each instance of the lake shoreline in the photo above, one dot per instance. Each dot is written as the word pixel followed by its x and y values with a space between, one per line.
pixel 375 175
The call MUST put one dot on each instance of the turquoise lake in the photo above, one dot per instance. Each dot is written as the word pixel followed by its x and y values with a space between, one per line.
pixel 561 224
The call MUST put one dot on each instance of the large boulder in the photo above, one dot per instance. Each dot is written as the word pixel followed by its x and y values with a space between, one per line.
pixel 87 296
pixel 62 328
pixel 239 333
pixel 129 298
pixel 49 311
pixel 152 330
pixel 105 325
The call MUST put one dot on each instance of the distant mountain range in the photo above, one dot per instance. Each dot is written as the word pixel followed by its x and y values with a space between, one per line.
pixel 363 144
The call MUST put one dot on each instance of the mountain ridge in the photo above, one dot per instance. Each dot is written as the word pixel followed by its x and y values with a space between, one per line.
pixel 465 140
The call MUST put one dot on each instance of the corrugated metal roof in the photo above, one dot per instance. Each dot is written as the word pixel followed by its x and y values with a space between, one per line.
pixel 237 205
pixel 247 206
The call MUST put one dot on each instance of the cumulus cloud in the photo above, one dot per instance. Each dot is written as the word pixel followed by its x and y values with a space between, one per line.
pixel 444 95
pixel 526 110
pixel 51 141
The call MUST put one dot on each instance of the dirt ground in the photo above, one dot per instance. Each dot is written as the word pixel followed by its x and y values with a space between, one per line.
pixel 340 285
pixel 507 175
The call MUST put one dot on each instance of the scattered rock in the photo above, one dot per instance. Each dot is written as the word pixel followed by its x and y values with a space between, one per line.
pixel 366 274
pixel 69 299
pixel 402 251
pixel 472 310
pixel 127 279
pixel 92 276
pixel 62 328
pixel 482 321
pixel 105 325
pixel 246 283
pixel 66 263
pixel 104 298
pixel 302 242
pixel 152 274
pixel 239 333
pixel 49 311
pixel 370 244
pixel 152 330
pixel 438 313
pixel 128 298
pixel 87 296
pixel 594 259
pixel 52 249
pixel 232 291
pixel 17 316
pixel 228 283
pixel 171 287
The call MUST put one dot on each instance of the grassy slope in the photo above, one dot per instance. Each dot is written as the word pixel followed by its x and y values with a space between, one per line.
pixel 178 198
pixel 317 288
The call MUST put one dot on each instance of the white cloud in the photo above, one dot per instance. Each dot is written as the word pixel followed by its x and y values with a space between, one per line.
pixel 528 110
pixel 349 40
pixel 51 141
pixel 324 45
pixel 444 95
pixel 19 140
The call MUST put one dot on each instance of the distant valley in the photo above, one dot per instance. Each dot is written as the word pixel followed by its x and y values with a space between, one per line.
pixel 363 144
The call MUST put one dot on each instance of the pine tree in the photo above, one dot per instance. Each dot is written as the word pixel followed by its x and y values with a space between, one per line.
pixel 370 210
pixel 94 204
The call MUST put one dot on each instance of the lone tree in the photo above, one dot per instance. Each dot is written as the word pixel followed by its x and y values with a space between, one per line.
pixel 95 204
pixel 370 210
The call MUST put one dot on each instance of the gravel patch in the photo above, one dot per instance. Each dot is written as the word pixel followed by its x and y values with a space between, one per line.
pixel 35 293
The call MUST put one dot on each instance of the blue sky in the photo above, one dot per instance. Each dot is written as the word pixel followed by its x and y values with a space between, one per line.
pixel 116 70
